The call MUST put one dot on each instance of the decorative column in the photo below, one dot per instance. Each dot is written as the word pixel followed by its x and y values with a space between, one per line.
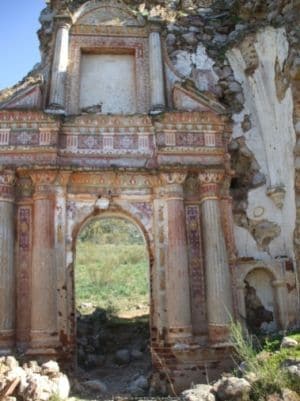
pixel 177 272
pixel 281 297
pixel 44 330
pixel 7 272
pixel 218 278
pixel 241 306
pixel 60 222
pixel 60 65
pixel 24 215
pixel 156 72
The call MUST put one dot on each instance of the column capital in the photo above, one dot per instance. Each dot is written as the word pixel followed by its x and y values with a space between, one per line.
pixel 210 182
pixel 279 283
pixel 211 176
pixel 24 188
pixel 155 27
pixel 64 18
pixel 45 181
pixel 173 184
pixel 7 183
pixel 63 23
pixel 173 177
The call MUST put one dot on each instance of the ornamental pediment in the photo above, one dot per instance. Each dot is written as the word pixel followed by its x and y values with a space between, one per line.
pixel 110 13
pixel 190 99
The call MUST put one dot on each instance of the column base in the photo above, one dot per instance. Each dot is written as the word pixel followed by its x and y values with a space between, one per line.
pixel 43 340
pixel 158 109
pixel 180 335
pixel 42 352
pixel 7 340
pixel 196 364
pixel 55 110
pixel 219 335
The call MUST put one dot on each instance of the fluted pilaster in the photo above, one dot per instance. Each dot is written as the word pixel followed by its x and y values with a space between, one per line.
pixel 7 272
pixel 177 273
pixel 218 278
pixel 44 327
pixel 60 225
pixel 59 66
pixel 156 72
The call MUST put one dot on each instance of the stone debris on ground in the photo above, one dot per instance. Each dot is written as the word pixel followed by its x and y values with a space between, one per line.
pixel 228 388
pixel 31 381
pixel 288 342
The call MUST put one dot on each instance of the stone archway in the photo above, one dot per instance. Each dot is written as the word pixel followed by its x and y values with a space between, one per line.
pixel 108 336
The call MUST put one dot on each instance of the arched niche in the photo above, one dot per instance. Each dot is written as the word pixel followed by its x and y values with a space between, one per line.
pixel 260 301
pixel 266 286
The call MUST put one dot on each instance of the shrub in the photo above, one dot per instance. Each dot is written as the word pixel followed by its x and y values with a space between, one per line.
pixel 271 377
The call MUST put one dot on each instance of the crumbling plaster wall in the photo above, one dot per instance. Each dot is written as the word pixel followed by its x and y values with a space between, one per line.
pixel 271 139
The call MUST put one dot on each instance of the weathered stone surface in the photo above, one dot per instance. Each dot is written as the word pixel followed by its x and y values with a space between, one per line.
pixel 122 357
pixel 232 388
pixel 96 385
pixel 200 392
pixel 34 383
pixel 288 342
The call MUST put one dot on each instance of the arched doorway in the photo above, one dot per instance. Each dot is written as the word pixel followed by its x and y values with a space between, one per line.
pixel 112 300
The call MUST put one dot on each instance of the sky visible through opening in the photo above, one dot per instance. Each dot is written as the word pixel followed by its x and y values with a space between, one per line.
pixel 19 46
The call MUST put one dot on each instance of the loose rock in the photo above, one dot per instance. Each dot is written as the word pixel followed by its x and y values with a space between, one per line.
pixel 288 342
pixel 232 388
pixel 122 357
pixel 201 392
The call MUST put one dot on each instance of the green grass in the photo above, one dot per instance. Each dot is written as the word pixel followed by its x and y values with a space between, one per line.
pixel 266 362
pixel 112 266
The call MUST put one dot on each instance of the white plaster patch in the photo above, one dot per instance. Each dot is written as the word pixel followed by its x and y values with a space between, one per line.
pixel 183 62
pixel 247 246
pixel 201 59
pixel 200 64
pixel 272 136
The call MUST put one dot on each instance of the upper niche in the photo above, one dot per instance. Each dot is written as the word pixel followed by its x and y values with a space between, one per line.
pixel 108 82
pixel 109 54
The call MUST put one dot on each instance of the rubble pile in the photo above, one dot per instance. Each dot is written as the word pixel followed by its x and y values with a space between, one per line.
pixel 31 381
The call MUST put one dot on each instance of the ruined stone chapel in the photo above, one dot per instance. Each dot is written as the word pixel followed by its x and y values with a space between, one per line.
pixel 114 124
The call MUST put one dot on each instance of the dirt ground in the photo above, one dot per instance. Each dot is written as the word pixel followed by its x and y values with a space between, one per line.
pixel 113 351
